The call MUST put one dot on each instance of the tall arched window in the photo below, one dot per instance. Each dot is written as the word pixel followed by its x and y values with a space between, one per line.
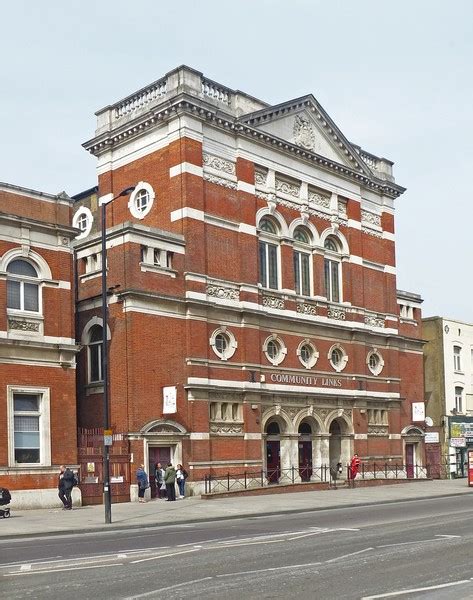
pixel 332 270
pixel 22 286
pixel 268 253
pixel 95 348
pixel 302 257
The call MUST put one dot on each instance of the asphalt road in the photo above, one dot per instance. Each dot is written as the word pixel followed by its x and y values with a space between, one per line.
pixel 380 551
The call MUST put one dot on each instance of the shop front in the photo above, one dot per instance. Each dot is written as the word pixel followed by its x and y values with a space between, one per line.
pixel 460 442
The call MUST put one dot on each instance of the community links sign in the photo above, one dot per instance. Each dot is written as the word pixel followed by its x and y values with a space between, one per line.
pixel 309 380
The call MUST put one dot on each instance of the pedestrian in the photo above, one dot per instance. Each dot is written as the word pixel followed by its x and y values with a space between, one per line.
pixel 66 482
pixel 159 480
pixel 170 481
pixel 181 476
pixel 143 484
pixel 354 466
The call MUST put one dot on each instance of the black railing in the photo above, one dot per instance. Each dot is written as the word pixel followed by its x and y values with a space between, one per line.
pixel 322 474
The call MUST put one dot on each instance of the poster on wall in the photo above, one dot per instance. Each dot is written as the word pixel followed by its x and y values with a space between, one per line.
pixel 418 411
pixel 169 400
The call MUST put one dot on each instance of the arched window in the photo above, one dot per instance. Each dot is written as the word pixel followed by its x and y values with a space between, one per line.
pixel 95 349
pixel 457 362
pixel 332 270
pixel 22 286
pixel 301 261
pixel 458 399
pixel 268 253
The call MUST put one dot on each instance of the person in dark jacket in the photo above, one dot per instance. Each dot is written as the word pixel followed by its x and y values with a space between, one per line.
pixel 143 485
pixel 65 485
pixel 159 481
pixel 170 481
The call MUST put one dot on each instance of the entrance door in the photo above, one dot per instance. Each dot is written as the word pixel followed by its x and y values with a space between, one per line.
pixel 157 454
pixel 305 460
pixel 273 462
pixel 410 454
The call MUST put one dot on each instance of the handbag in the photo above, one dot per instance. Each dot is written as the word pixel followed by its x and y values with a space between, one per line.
pixel 163 486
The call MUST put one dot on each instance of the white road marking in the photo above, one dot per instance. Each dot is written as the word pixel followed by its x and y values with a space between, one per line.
pixel 41 571
pixel 302 566
pixel 166 589
pixel 447 536
pixel 408 543
pixel 348 555
pixel 240 545
pixel 298 537
pixel 25 568
pixel 163 556
pixel 413 590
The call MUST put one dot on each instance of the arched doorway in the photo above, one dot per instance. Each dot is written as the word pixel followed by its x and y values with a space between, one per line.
pixel 273 451
pixel 305 450
pixel 335 444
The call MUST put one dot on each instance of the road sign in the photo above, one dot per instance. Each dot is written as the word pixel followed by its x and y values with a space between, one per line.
pixel 107 437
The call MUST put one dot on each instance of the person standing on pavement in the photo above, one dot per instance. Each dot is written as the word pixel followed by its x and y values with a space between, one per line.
pixel 181 476
pixel 354 466
pixel 170 481
pixel 142 479
pixel 65 485
pixel 159 480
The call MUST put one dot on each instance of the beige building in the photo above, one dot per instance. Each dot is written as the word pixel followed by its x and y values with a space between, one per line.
pixel 448 373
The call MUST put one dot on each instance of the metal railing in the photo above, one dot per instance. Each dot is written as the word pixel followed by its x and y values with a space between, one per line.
pixel 311 474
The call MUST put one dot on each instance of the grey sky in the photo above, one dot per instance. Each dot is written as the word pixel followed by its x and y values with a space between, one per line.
pixel 395 76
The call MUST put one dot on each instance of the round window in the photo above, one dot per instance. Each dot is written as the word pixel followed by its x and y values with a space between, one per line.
pixel 83 220
pixel 223 343
pixel 306 353
pixel 375 362
pixel 141 200
pixel 336 357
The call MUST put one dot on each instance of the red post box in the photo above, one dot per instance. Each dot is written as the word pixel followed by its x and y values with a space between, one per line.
pixel 470 468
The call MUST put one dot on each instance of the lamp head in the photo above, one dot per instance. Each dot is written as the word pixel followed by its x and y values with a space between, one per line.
pixel 127 191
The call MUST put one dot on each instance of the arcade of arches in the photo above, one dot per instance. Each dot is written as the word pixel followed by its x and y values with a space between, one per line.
pixel 306 441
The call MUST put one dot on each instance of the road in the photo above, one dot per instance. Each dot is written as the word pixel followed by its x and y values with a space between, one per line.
pixel 380 551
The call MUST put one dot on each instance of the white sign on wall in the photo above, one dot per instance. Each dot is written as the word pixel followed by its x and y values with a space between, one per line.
pixel 418 411
pixel 169 400
pixel 431 437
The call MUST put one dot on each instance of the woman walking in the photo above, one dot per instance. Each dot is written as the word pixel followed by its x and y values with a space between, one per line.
pixel 142 479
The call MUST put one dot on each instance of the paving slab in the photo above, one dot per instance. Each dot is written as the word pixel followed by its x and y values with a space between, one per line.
pixel 131 515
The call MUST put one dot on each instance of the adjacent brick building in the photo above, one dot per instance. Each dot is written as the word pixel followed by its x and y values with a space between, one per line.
pixel 37 343
pixel 254 321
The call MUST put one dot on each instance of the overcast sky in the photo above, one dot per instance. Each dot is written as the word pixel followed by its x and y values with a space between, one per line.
pixel 396 77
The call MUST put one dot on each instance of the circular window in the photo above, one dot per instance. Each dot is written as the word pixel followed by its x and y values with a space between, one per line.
pixel 375 362
pixel 141 200
pixel 223 343
pixel 337 358
pixel 83 221
pixel 307 354
pixel 275 350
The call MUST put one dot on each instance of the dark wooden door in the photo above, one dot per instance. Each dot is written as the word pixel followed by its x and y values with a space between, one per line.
pixel 410 460
pixel 305 460
pixel 157 454
pixel 273 462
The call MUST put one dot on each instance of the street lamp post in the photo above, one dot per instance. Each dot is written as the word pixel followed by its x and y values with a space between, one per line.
pixel 107 498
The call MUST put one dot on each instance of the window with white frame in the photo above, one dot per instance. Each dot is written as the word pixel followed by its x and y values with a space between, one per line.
pixel 23 286
pixel 83 220
pixel 307 354
pixel 274 349
pixel 28 430
pixel 223 343
pixel 141 200
pixel 94 354
pixel 302 259
pixel 458 399
pixel 332 270
pixel 337 357
pixel 268 253
pixel 457 362
pixel 375 362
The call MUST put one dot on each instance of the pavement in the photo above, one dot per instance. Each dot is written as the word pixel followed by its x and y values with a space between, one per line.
pixel 135 515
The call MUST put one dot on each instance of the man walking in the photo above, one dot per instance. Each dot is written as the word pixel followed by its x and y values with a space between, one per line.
pixel 170 481
pixel 159 480
pixel 65 485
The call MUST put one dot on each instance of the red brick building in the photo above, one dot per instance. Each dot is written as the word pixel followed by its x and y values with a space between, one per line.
pixel 252 283
pixel 37 344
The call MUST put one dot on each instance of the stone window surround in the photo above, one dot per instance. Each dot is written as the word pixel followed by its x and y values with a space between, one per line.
pixel 83 210
pixel 140 186
pixel 44 424
pixel 232 344
pixel 344 358
pixel 380 366
pixel 314 357
pixel 277 360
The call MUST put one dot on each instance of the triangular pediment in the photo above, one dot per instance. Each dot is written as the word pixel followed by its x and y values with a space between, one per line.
pixel 304 123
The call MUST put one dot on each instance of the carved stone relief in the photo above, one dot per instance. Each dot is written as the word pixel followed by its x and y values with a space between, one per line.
pixel 220 181
pixel 285 187
pixel 336 313
pixel 306 309
pixel 273 302
pixel 219 164
pixel 223 292
pixel 304 132
pixel 374 321
pixel 23 325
